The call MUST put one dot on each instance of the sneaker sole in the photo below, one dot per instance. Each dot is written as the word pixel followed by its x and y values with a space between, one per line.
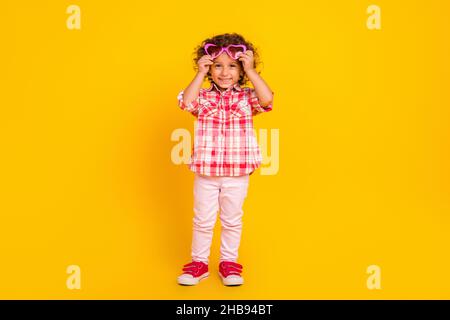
pixel 233 282
pixel 193 281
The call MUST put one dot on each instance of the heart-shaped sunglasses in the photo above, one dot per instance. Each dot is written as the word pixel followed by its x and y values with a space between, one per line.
pixel 233 49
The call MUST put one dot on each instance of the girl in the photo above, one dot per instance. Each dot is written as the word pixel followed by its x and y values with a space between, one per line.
pixel 225 150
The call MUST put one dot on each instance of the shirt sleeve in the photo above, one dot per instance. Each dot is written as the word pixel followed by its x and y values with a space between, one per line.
pixel 256 106
pixel 192 106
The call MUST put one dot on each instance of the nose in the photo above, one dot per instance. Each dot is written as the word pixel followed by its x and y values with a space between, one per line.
pixel 225 72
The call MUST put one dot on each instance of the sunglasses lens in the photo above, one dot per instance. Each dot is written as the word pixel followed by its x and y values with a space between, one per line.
pixel 213 50
pixel 234 51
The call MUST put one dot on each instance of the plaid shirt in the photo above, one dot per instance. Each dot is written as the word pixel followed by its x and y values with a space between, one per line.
pixel 225 142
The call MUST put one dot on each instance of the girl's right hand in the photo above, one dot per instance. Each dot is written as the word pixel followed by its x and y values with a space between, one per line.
pixel 204 63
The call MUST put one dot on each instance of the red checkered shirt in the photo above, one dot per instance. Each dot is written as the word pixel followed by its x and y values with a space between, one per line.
pixel 225 141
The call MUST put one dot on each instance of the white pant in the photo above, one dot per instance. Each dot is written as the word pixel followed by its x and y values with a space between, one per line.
pixel 210 194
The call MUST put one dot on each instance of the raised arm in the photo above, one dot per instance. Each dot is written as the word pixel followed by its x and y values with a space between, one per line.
pixel 262 90
pixel 192 91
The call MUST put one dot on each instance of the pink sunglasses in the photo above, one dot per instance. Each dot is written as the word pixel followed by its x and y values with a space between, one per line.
pixel 233 49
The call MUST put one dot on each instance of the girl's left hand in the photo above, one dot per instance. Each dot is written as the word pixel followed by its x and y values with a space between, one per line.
pixel 247 60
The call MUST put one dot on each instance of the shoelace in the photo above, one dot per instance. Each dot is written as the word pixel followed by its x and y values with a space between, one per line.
pixel 192 267
pixel 230 268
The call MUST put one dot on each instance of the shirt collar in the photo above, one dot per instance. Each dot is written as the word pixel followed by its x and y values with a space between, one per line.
pixel 235 87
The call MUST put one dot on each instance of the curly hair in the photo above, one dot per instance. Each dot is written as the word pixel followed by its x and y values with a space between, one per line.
pixel 225 40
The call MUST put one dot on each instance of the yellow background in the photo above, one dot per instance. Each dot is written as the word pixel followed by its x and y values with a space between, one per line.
pixel 87 177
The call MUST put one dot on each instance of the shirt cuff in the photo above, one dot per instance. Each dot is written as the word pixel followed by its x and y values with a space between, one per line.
pixel 191 106
pixel 254 102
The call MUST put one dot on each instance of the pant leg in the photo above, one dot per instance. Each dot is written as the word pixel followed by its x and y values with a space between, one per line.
pixel 206 205
pixel 231 199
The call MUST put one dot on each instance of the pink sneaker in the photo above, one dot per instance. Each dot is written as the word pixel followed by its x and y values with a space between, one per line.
pixel 230 273
pixel 193 273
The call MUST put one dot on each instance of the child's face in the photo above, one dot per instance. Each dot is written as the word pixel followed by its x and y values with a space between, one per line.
pixel 225 71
